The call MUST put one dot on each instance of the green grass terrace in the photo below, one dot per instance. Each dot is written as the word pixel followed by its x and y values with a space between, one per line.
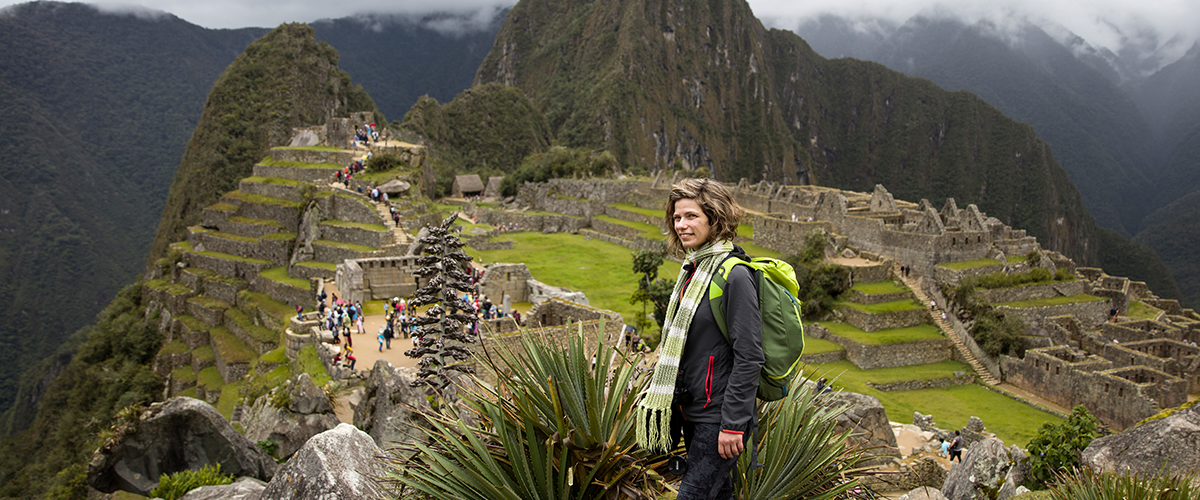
pixel 1012 421
pixel 270 162
pixel 1139 310
pixel 884 337
pixel 879 288
pixel 1052 301
pixel 883 307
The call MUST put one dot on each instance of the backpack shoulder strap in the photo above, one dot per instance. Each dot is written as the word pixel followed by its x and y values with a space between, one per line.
pixel 716 290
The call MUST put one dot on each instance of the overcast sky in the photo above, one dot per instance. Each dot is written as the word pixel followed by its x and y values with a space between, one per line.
pixel 1103 23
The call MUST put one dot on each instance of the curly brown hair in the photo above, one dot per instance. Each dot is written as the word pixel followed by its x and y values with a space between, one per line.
pixel 714 199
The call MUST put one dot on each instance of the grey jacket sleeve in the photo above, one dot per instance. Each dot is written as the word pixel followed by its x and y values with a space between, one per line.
pixel 745 334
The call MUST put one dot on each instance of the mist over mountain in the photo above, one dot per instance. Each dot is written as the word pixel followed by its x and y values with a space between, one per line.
pixel 399 58
pixel 1095 129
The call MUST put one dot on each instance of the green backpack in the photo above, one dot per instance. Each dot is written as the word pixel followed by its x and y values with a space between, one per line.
pixel 782 332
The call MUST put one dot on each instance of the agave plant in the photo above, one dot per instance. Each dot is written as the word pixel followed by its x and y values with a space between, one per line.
pixel 801 454
pixel 1084 484
pixel 557 425
pixel 441 332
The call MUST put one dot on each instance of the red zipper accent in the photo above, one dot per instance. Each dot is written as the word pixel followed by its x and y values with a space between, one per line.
pixel 708 382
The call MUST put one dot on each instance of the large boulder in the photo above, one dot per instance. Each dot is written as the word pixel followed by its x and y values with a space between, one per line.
pixel 1172 442
pixel 339 463
pixel 869 426
pixel 924 493
pixel 387 407
pixel 245 488
pixel 290 415
pixel 988 471
pixel 180 434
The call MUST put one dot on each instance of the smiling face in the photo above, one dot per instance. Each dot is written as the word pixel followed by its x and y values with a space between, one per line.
pixel 691 225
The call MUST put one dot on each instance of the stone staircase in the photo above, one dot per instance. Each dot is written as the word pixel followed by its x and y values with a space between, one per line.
pixel 399 237
pixel 952 333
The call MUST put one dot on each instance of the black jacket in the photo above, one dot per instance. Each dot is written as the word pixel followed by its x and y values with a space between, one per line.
pixel 718 379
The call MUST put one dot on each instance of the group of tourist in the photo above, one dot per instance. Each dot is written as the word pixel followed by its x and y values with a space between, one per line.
pixel 349 171
pixel 365 134
pixel 340 318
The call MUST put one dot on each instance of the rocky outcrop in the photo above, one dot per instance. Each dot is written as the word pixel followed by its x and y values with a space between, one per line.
pixel 870 427
pixel 245 488
pixel 988 471
pixel 1169 442
pixel 339 463
pixel 180 434
pixel 290 415
pixel 387 405
pixel 924 493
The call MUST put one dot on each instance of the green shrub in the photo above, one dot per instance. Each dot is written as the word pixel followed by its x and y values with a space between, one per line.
pixel 998 334
pixel 1084 484
pixel 269 446
pixel 558 163
pixel 1056 448
pixel 173 486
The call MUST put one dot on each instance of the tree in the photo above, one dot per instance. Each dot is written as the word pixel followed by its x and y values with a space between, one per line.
pixel 1056 448
pixel 445 321
pixel 651 290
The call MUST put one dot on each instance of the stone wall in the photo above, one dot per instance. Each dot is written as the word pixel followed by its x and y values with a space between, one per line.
pixel 614 229
pixel 1030 292
pixel 873 273
pixel 1090 314
pixel 1117 396
pixel 784 236
pixel 338 157
pixel 530 222
pixel 859 297
pixel 640 243
pixel 952 277
pixel 506 279
pixel 275 250
pixel 286 216
pixel 284 292
pixel 378 278
pixel 350 207
pixel 867 357
pixel 273 190
pixel 634 216
pixel 916 385
pixel 314 175
pixel 355 235
pixel 873 322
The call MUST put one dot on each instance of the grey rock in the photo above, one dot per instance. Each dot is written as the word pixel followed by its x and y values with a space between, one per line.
pixel 339 463
pixel 1172 442
pixel 244 488
pixel 975 424
pixel 307 414
pixel 387 407
pixel 180 434
pixel 869 426
pixel 923 493
pixel 985 467
pixel 925 422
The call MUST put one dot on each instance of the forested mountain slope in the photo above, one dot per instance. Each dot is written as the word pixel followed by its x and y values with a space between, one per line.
pixel 94 112
pixel 248 109
pixel 703 84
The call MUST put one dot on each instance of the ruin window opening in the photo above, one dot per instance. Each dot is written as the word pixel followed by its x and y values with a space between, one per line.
pixel 1105 387
pixel 1120 391
pixel 1056 370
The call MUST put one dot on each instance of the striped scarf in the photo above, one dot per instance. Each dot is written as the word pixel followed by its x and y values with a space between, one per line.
pixel 654 411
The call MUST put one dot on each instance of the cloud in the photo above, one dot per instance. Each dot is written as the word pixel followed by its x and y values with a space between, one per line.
pixel 1166 28
pixel 267 14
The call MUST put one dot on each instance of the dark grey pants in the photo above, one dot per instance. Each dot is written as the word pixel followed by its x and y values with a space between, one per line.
pixel 709 477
